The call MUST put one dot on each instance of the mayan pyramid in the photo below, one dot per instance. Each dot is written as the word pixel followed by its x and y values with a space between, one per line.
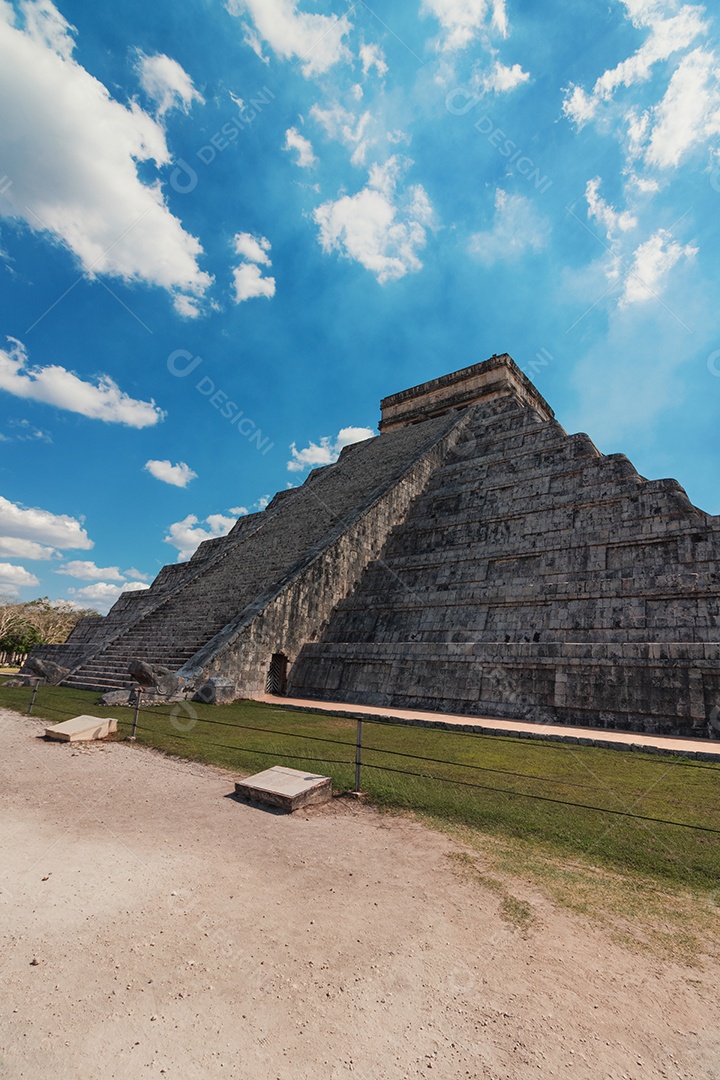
pixel 473 558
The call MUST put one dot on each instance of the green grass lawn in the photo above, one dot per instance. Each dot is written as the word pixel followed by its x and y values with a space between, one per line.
pixel 250 736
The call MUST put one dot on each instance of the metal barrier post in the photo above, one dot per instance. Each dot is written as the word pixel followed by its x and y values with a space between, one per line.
pixel 358 755
pixel 138 693
pixel 34 695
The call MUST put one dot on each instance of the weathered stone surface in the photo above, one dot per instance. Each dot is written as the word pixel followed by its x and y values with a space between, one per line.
pixel 52 673
pixel 216 691
pixel 475 558
pixel 290 789
pixel 536 579
pixel 82 729
pixel 479 383
pixel 155 677
pixel 117 697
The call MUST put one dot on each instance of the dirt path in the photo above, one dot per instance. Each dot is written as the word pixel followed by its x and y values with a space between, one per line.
pixel 151 925
pixel 708 749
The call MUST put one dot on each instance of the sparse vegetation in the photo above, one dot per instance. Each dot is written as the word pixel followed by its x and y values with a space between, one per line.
pixel 646 913
pixel 36 622
pixel 519 913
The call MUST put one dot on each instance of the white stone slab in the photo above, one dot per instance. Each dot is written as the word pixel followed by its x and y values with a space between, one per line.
pixel 82 729
pixel 287 788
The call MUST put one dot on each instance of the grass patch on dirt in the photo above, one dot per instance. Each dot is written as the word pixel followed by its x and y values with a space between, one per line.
pixel 647 913
pixel 492 779
pixel 518 913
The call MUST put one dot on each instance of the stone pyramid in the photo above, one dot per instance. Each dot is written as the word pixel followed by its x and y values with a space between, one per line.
pixel 474 558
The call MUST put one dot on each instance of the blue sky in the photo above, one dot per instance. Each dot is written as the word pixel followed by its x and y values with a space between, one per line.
pixel 227 230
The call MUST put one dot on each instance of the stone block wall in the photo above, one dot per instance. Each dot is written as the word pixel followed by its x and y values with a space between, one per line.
pixel 535 578
pixel 297 610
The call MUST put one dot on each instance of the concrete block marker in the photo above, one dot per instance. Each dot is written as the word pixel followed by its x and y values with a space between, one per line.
pixel 82 729
pixel 290 789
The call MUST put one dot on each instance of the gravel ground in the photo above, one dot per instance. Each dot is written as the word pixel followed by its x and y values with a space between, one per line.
pixel 153 925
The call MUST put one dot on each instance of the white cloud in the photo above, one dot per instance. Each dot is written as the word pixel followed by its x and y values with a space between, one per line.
pixel 45 25
pixel 16 548
pixel 249 283
pixel 247 277
pixel 303 147
pixel 59 530
pixel 24 431
pixel 377 227
pixel 668 34
pixel 178 475
pixel 103 594
pixel 167 83
pixel 73 152
pixel 644 185
pixel 463 21
pixel 372 56
pixel 136 575
pixel 316 40
pixel 518 227
pixel 188 534
pixel 55 385
pixel 689 113
pixel 607 215
pixel 579 106
pixel 346 128
pixel 187 307
pixel 14 577
pixel 501 79
pixel 261 503
pixel 253 248
pixel 238 511
pixel 652 262
pixel 88 571
pixel 637 125
pixel 327 450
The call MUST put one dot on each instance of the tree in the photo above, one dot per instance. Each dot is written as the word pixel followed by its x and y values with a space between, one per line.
pixel 11 616
pixel 37 622
pixel 20 639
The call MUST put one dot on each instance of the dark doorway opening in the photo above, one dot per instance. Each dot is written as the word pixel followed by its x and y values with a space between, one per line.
pixel 276 682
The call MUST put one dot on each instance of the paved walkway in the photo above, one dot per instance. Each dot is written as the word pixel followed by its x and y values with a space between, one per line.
pixel 620 740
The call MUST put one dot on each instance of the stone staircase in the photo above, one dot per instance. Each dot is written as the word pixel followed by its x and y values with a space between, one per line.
pixel 475 558
pixel 109 671
pixel 254 559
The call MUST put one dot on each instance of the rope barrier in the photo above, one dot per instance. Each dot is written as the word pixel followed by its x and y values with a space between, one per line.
pixel 416 757
pixel 547 798
pixel 448 780
pixel 406 754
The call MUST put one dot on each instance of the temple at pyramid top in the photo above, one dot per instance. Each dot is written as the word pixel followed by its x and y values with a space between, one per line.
pixel 498 377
